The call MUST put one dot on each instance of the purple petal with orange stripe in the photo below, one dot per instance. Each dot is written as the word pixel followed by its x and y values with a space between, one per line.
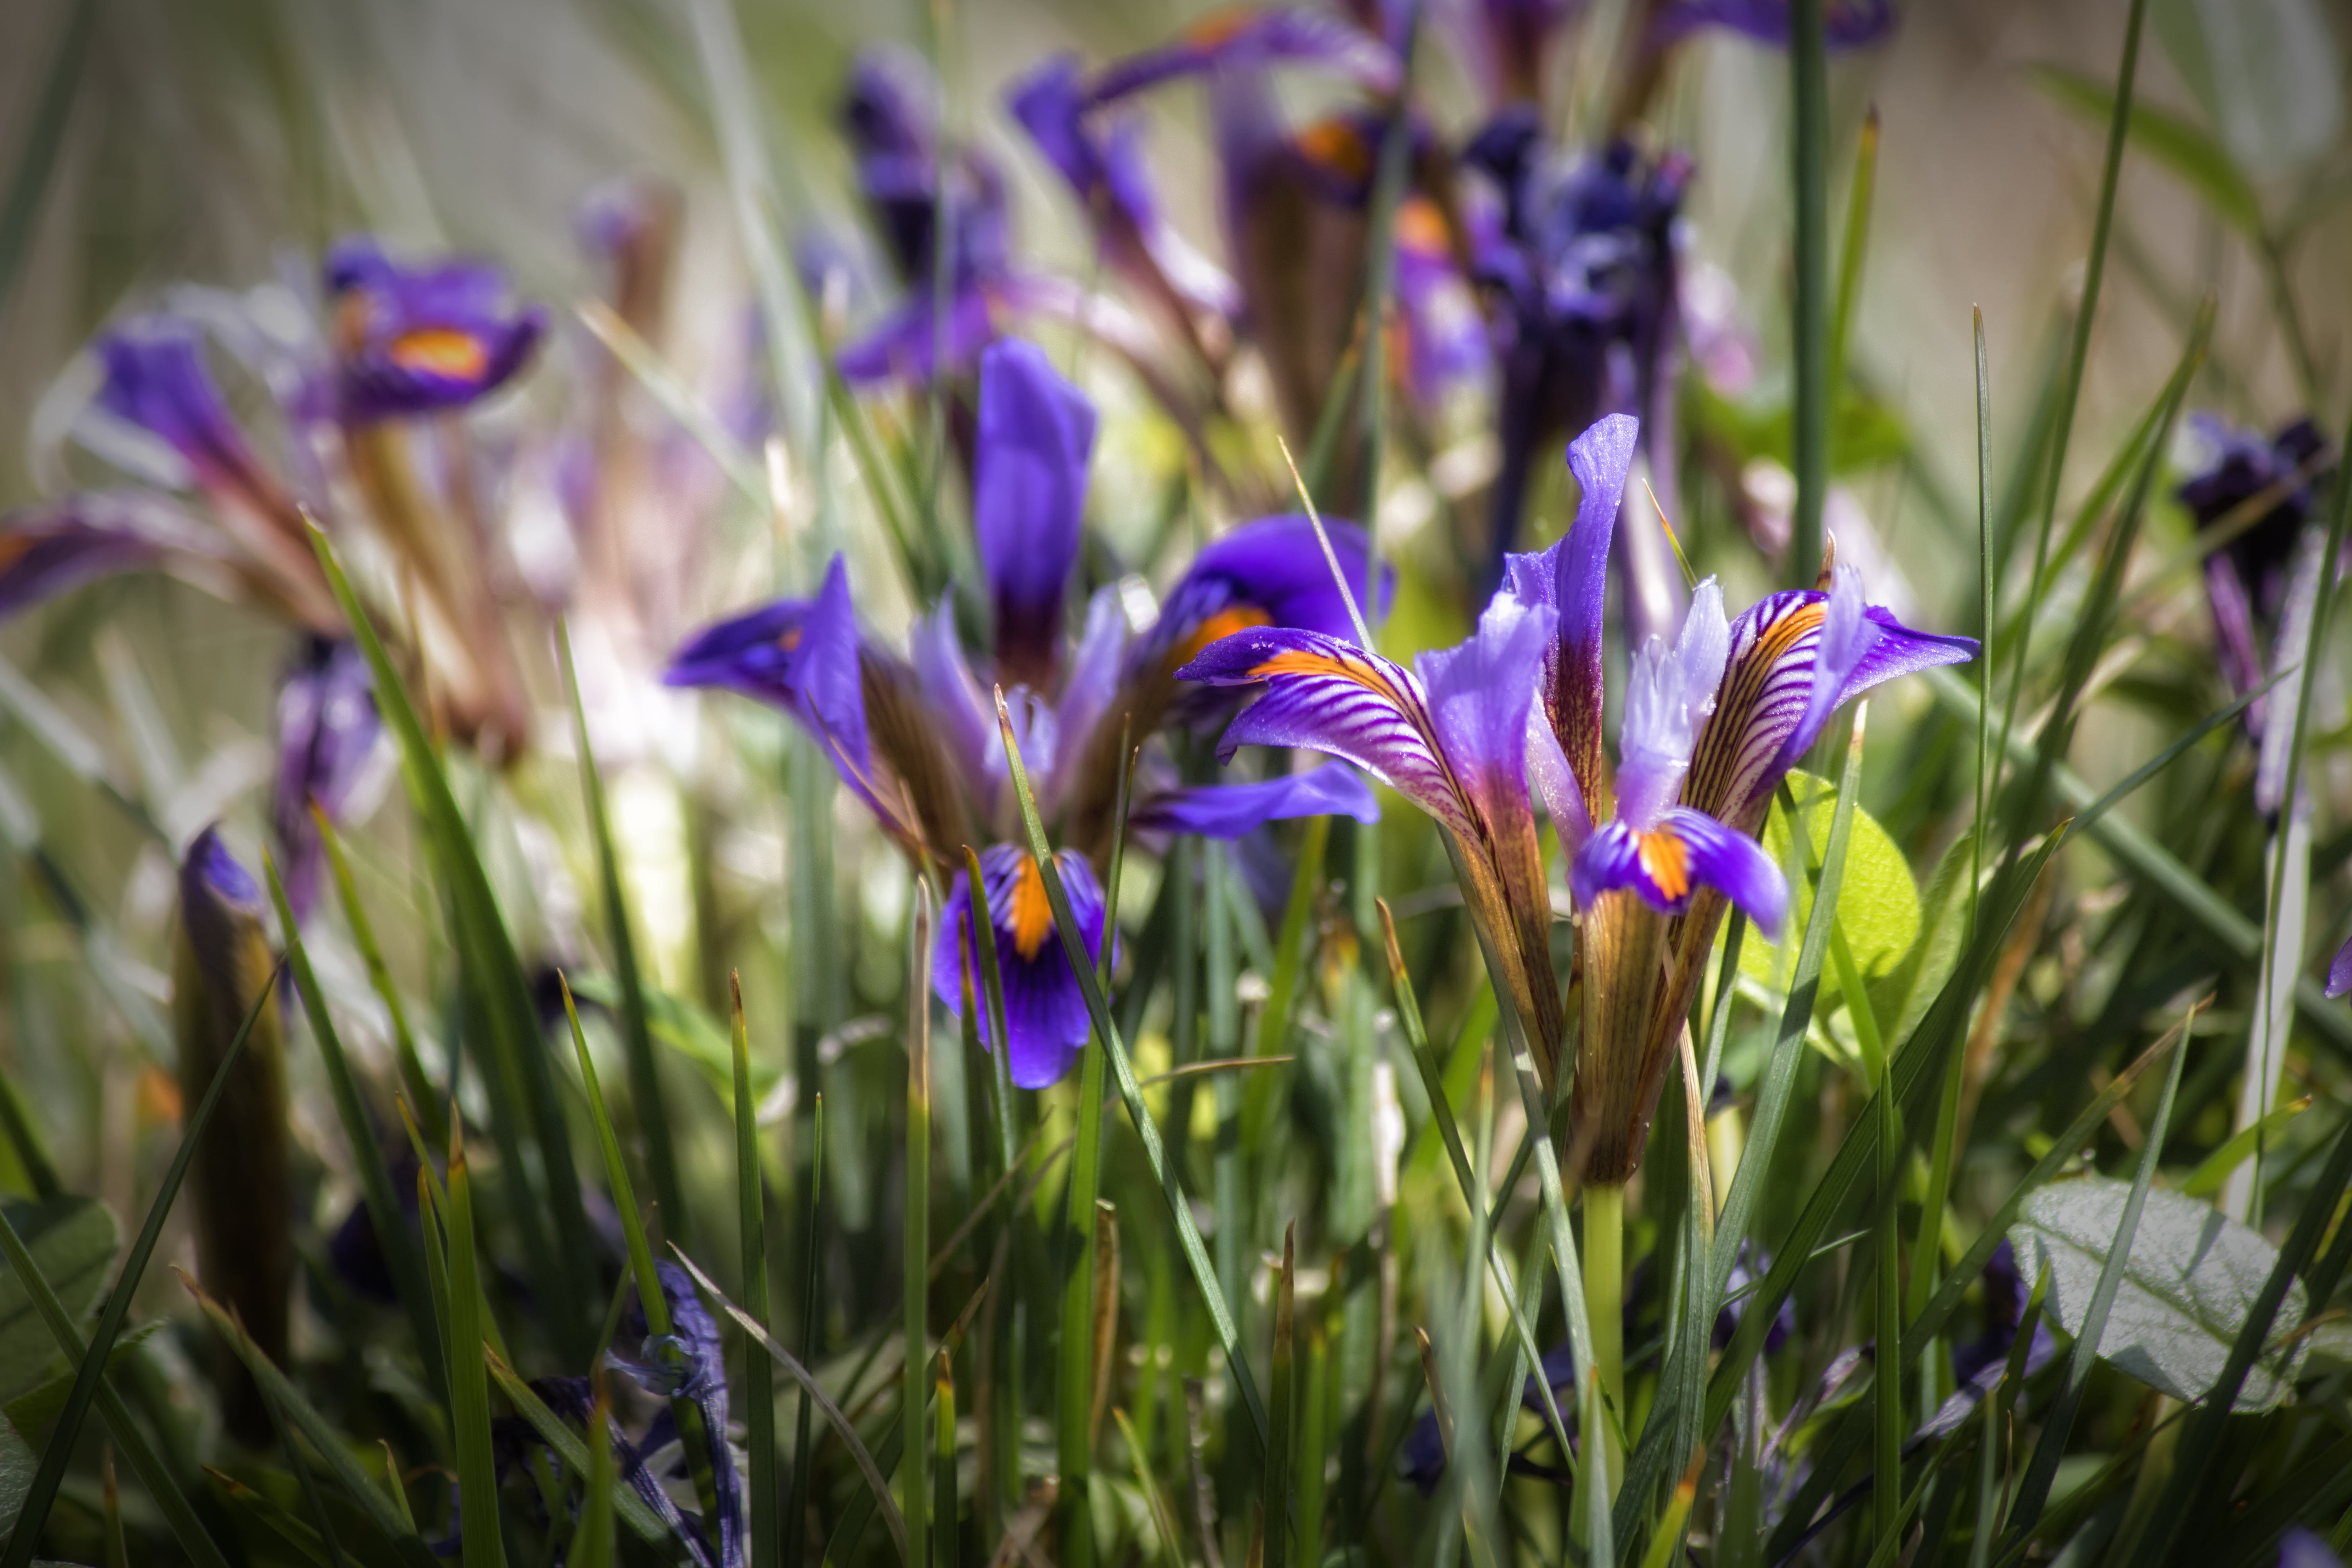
pixel 1242 37
pixel 799 654
pixel 1268 572
pixel 52 546
pixel 1045 1009
pixel 1228 811
pixel 413 340
pixel 1668 863
pixel 1331 696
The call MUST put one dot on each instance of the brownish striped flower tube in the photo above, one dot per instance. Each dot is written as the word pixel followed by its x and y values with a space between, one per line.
pixel 245 1250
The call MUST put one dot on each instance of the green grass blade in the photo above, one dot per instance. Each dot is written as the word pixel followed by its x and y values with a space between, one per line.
pixel 469 1387
pixel 303 1478
pixel 811 1389
pixel 1170 1181
pixel 2159 872
pixel 2056 1427
pixel 1809 329
pixel 44 141
pixel 760 1416
pixel 1850 253
pixel 423 1098
pixel 153 1472
pixel 528 1116
pixel 2085 314
pixel 1282 1412
pixel 944 1534
pixel 331 1445
pixel 579 1458
pixel 915 1233
pixel 594 1545
pixel 645 1077
pixel 1163 1527
pixel 2214 1170
pixel 1258 1099
pixel 91 1370
pixel 795 1520
pixel 384 1211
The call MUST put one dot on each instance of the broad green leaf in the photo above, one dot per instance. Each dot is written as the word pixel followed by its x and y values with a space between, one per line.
pixel 2187 151
pixel 1877 906
pixel 1906 992
pixel 36 1407
pixel 16 1467
pixel 2191 1278
pixel 74 1240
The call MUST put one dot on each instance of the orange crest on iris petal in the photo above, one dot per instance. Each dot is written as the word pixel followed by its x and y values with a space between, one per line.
pixel 1033 915
pixel 444 352
pixel 1665 862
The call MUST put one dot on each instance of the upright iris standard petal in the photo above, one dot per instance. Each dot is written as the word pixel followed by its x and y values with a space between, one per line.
pixel 1480 693
pixel 1331 696
pixel 2339 971
pixel 327 734
pixel 1029 488
pixel 1228 811
pixel 1573 578
pixel 1103 164
pixel 1045 1009
pixel 1668 695
pixel 159 414
pixel 1783 681
pixel 890 115
pixel 413 340
pixel 1668 862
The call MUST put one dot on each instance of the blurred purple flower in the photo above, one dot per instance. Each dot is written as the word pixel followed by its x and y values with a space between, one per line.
pixel 918 740
pixel 2263 584
pixel 1045 1009
pixel 1845 23
pixel 2339 971
pixel 414 338
pixel 1580 270
pixel 327 732
pixel 690 1363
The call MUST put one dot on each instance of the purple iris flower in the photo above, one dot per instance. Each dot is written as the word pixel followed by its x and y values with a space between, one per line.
pixel 1474 734
pixel 418 339
pixel 2300 1548
pixel 327 732
pixel 2263 583
pixel 690 1363
pixel 890 116
pixel 915 737
pixel 1845 23
pixel 1581 274
pixel 1101 155
pixel 2339 971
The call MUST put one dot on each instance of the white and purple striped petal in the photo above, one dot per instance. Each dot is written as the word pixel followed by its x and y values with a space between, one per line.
pixel 1770 707
pixel 1669 693
pixel 1330 695
pixel 1228 811
pixel 1668 862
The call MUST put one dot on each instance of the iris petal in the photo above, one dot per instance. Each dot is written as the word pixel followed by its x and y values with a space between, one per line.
pixel 1667 863
pixel 1029 486
pixel 1228 811
pixel 1045 1015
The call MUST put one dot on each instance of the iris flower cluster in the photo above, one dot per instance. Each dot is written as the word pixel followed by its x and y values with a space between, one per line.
pixel 1659 844
pixel 391 350
pixel 915 737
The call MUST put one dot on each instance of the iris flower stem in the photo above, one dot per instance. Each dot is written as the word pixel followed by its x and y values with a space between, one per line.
pixel 1604 1308
pixel 916 1235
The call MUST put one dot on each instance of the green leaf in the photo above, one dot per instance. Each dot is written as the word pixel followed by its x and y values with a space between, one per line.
pixel 1877 905
pixel 74 1240
pixel 35 1408
pixel 2189 1283
pixel 16 1467
pixel 1905 993
pixel 2187 150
